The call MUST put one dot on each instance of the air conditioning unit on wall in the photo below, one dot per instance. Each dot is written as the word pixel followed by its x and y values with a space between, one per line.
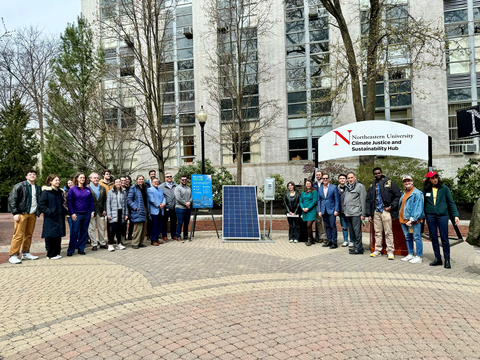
pixel 313 12
pixel 188 32
pixel 469 148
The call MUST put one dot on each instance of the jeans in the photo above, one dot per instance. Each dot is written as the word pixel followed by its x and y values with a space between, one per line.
pixel 173 222
pixel 183 218
pixel 344 223
pixel 293 228
pixel 415 236
pixel 330 222
pixel 78 235
pixel 156 228
pixel 436 223
pixel 355 227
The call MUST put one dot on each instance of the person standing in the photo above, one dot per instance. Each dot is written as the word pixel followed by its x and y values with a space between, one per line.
pixel 152 174
pixel 156 202
pixel 117 214
pixel 81 208
pixel 355 211
pixel 342 188
pixel 382 207
pixel 67 187
pixel 183 207
pixel 308 204
pixel 439 205
pixel 128 185
pixel 138 202
pixel 107 182
pixel 320 232
pixel 473 237
pixel 168 189
pixel 291 200
pixel 411 212
pixel 51 205
pixel 100 204
pixel 23 204
pixel 328 209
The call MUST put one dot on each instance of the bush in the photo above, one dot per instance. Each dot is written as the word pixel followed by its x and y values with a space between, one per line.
pixel 280 188
pixel 220 177
pixel 468 186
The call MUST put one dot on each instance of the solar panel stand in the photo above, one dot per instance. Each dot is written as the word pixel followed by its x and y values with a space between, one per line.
pixel 266 236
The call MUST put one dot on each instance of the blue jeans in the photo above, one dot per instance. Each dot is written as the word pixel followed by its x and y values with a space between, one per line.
pixel 330 227
pixel 78 234
pixel 156 228
pixel 183 218
pixel 435 223
pixel 344 223
pixel 415 236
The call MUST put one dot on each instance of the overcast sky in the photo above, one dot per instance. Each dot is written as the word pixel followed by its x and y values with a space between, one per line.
pixel 52 16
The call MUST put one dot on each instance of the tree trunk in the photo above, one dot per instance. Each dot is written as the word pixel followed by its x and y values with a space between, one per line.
pixel 239 167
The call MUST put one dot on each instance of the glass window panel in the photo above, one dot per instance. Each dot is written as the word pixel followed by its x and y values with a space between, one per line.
pixel 459 15
pixel 226 115
pixel 458 55
pixel 295 50
pixel 322 121
pixel 401 100
pixel 295 85
pixel 401 114
pixel 318 24
pixel 187 96
pixel 188 119
pixel 318 47
pixel 185 54
pixel 297 123
pixel 186 85
pixel 297 109
pixel 296 38
pixel 250 101
pixel 169 98
pixel 459 68
pixel 380 101
pixel 295 26
pixel 318 35
pixel 476 13
pixel 295 14
pixel 459 94
pixel 297 62
pixel 298 155
pixel 293 3
pixel 185 75
pixel 296 74
pixel 184 20
pixel 168 119
pixel 320 131
pixel 456 30
pixel 380 115
pixel 183 42
pixel 297 97
pixel 250 90
pixel 398 86
pixel 185 65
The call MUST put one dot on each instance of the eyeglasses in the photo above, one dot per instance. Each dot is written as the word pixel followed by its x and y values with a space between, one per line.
pixel 168 176
pixel 325 178
pixel 183 179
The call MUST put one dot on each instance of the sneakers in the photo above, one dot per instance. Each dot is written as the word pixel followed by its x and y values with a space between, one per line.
pixel 14 259
pixel 351 244
pixel 408 257
pixel 120 247
pixel 345 244
pixel 374 254
pixel 291 240
pixel 416 260
pixel 295 241
pixel 111 248
pixel 391 257
pixel 54 258
pixel 28 256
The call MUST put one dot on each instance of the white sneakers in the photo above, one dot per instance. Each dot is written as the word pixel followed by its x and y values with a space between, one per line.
pixel 54 258
pixel 391 256
pixel 413 259
pixel 28 256
pixel 291 240
pixel 416 260
pixel 14 259
pixel 345 243
pixel 295 241
pixel 111 248
pixel 120 247
pixel 408 257
pixel 350 244
pixel 374 254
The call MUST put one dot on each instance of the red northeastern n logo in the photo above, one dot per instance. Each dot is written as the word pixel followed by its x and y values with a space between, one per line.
pixel 338 134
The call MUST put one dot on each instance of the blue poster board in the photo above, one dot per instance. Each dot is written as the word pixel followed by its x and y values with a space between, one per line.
pixel 202 194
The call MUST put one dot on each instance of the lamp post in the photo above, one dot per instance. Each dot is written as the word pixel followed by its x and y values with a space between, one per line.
pixel 202 118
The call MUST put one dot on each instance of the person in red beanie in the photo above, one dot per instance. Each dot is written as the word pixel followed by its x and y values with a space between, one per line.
pixel 439 205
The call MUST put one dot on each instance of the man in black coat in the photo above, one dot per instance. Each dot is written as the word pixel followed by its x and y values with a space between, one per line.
pixel 23 204
pixel 382 207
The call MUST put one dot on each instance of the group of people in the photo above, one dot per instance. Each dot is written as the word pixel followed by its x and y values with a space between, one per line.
pixel 321 202
pixel 131 211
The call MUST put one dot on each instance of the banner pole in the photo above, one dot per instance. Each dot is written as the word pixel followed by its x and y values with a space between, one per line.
pixel 430 154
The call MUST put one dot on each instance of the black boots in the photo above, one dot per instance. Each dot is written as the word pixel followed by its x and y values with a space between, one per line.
pixel 437 261
pixel 447 264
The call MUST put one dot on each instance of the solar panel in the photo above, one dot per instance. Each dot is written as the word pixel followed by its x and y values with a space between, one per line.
pixel 240 213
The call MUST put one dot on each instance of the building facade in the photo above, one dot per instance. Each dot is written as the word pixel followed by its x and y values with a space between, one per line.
pixel 299 50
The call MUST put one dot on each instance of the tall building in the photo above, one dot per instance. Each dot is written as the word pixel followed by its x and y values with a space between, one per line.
pixel 299 50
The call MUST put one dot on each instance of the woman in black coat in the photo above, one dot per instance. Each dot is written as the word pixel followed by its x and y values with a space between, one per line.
pixel 291 201
pixel 51 205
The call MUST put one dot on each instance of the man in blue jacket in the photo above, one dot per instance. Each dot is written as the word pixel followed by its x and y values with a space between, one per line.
pixel 156 203
pixel 328 209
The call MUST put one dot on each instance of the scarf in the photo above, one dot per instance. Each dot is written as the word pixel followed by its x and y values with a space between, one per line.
pixel 350 187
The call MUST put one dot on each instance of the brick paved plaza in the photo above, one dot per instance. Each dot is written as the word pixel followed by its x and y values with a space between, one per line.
pixel 208 300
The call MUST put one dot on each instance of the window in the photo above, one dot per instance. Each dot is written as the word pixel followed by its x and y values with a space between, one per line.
pixel 456 146
pixel 127 65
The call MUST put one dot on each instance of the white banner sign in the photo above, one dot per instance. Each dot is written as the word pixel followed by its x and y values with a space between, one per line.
pixel 373 138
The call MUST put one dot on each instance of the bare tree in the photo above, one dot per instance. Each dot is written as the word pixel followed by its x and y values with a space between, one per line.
pixel 236 67
pixel 142 34
pixel 390 38
pixel 25 59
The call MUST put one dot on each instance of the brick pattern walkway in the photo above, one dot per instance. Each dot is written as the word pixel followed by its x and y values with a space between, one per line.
pixel 210 300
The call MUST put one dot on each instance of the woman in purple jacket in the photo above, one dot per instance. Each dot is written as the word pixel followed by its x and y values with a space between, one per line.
pixel 81 209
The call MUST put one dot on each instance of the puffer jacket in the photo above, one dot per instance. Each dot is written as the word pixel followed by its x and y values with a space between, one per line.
pixel 20 199
pixel 413 209
pixel 135 201
pixel 114 204
pixel 473 237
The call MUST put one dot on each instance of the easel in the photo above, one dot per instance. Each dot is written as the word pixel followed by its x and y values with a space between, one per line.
pixel 195 213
